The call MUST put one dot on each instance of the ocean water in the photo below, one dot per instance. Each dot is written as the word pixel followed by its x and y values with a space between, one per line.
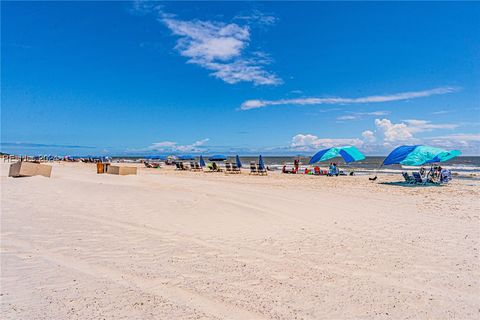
pixel 465 167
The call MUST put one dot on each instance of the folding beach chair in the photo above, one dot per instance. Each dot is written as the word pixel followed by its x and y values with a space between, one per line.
pixel 198 167
pixel 408 179
pixel 253 168
pixel 262 170
pixel 235 168
pixel 228 167
pixel 418 178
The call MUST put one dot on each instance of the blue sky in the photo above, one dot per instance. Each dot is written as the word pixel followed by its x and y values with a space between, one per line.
pixel 243 77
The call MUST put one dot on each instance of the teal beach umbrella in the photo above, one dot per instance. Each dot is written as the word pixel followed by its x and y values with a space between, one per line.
pixel 418 155
pixel 348 153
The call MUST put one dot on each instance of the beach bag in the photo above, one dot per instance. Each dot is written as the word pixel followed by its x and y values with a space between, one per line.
pixel 445 176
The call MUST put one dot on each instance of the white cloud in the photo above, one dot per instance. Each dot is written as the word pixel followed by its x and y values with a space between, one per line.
pixel 220 48
pixel 394 131
pixel 308 142
pixel 469 143
pixel 254 104
pixel 360 115
pixel 423 125
pixel 257 17
pixel 441 112
pixel 461 136
pixel 404 131
pixel 170 146
pixel 347 117
pixel 369 136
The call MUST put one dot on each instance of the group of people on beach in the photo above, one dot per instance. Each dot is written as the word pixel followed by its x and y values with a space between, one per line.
pixel 333 169
pixel 435 174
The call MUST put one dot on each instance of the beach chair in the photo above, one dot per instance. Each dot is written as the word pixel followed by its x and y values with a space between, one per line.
pixel 216 168
pixel 228 167
pixel 196 167
pixel 408 179
pixel 148 165
pixel 235 169
pixel 418 178
pixel 261 170
pixel 253 168
pixel 177 166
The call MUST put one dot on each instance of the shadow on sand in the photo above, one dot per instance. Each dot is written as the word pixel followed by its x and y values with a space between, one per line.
pixel 411 185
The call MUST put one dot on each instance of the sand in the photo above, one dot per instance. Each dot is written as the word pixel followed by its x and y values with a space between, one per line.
pixel 185 245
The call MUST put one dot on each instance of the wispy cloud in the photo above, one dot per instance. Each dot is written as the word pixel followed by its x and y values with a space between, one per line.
pixel 257 17
pixel 441 112
pixel 360 115
pixel 41 145
pixel 309 142
pixel 460 136
pixel 254 104
pixel 220 47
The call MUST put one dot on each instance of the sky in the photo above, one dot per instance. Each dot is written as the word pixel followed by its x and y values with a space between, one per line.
pixel 277 78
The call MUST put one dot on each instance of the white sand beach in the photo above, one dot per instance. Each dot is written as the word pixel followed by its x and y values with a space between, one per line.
pixel 185 245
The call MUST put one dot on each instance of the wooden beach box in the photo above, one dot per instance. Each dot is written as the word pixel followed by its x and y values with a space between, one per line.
pixel 120 170
pixel 29 169
pixel 102 167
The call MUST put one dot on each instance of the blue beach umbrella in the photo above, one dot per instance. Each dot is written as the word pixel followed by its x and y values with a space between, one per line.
pixel 218 157
pixel 419 155
pixel 186 157
pixel 348 153
pixel 202 162
pixel 237 160
pixel 261 165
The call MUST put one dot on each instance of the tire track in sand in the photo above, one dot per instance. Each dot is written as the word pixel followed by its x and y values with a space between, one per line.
pixel 177 295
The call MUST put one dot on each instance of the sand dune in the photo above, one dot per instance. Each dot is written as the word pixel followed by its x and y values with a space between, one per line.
pixel 185 245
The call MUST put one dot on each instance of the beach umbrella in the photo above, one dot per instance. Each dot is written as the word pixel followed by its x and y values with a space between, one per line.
pixel 261 165
pixel 237 160
pixel 419 155
pixel 186 157
pixel 348 153
pixel 202 162
pixel 218 157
